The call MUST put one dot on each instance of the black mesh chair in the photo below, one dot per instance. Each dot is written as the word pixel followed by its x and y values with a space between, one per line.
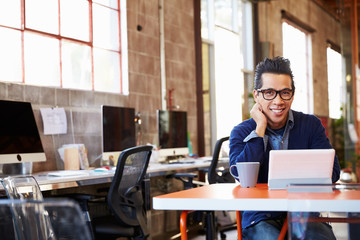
pixel 219 175
pixel 215 175
pixel 125 198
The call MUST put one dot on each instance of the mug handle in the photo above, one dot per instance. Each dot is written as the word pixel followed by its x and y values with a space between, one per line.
pixel 236 177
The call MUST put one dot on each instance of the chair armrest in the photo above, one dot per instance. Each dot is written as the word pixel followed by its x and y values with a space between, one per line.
pixel 200 183
pixel 186 178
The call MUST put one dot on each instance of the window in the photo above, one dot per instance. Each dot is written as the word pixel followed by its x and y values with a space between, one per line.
pixel 335 87
pixel 300 60
pixel 224 13
pixel 222 33
pixel 62 43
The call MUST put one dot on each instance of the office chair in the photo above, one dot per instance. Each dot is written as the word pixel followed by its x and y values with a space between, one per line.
pixel 22 220
pixel 22 187
pixel 125 198
pixel 215 175
pixel 27 188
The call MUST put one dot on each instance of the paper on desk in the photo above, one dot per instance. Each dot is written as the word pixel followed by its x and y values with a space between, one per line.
pixel 68 173
pixel 54 120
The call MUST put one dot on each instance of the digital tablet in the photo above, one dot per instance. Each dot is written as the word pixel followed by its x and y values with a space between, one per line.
pixel 307 166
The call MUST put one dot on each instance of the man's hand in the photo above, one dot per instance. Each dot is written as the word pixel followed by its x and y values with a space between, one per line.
pixel 260 119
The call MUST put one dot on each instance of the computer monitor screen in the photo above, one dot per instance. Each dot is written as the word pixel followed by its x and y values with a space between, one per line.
pixel 172 129
pixel 118 128
pixel 19 136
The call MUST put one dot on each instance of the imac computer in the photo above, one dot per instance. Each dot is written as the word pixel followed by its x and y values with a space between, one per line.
pixel 118 131
pixel 19 136
pixel 172 130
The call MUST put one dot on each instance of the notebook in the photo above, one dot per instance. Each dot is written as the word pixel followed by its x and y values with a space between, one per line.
pixel 68 173
pixel 307 166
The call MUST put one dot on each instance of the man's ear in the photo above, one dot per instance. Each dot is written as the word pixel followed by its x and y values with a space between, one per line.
pixel 255 94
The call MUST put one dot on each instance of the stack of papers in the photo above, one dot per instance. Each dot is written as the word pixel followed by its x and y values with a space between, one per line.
pixel 68 173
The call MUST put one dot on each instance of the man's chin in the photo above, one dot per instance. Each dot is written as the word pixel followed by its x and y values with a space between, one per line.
pixel 277 122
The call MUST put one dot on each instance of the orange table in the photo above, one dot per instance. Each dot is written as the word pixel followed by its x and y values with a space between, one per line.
pixel 224 197
pixel 232 197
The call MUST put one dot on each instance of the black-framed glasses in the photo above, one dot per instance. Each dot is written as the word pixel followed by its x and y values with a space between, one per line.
pixel 270 94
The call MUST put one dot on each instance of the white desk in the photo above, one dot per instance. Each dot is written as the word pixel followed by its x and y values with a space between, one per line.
pixel 85 177
pixel 198 164
pixel 89 177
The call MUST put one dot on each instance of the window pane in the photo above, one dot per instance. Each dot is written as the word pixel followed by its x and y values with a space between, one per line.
pixel 76 66
pixel 223 13
pixel 108 3
pixel 10 13
pixel 105 28
pixel 71 10
pixel 240 16
pixel 300 66
pixel 204 19
pixel 41 60
pixel 206 67
pixel 42 15
pixel 33 57
pixel 229 80
pixel 10 57
pixel 106 71
pixel 335 87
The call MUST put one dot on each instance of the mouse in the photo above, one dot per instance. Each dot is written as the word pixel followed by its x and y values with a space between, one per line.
pixel 101 169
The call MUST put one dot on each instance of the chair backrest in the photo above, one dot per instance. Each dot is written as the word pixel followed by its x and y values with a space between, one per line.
pixel 19 219
pixel 125 196
pixel 27 188
pixel 22 187
pixel 213 175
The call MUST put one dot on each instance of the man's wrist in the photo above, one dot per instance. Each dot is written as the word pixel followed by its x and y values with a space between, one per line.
pixel 260 131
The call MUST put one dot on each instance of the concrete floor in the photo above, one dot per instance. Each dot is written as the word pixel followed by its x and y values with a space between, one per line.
pixel 340 231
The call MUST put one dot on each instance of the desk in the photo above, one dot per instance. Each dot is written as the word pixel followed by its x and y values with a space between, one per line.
pixel 86 180
pixel 89 177
pixel 224 197
pixel 231 197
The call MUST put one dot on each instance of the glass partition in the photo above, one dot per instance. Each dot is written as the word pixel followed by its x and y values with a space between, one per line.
pixel 330 211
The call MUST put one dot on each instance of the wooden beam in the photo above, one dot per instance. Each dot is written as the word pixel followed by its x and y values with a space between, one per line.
pixel 355 62
pixel 199 79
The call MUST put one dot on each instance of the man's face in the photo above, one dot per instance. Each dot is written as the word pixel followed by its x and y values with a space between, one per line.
pixel 277 109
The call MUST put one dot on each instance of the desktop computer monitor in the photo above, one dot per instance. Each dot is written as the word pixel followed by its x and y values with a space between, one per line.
pixel 118 131
pixel 19 136
pixel 172 130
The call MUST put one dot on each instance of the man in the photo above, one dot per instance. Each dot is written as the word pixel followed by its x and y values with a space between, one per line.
pixel 273 125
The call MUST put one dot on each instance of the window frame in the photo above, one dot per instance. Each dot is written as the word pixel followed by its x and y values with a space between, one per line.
pixel 121 51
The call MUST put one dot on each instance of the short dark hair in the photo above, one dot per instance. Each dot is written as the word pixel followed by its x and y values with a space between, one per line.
pixel 277 65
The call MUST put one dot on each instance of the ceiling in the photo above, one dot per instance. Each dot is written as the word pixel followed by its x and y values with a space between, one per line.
pixel 333 7
pixel 336 8
pixel 339 9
